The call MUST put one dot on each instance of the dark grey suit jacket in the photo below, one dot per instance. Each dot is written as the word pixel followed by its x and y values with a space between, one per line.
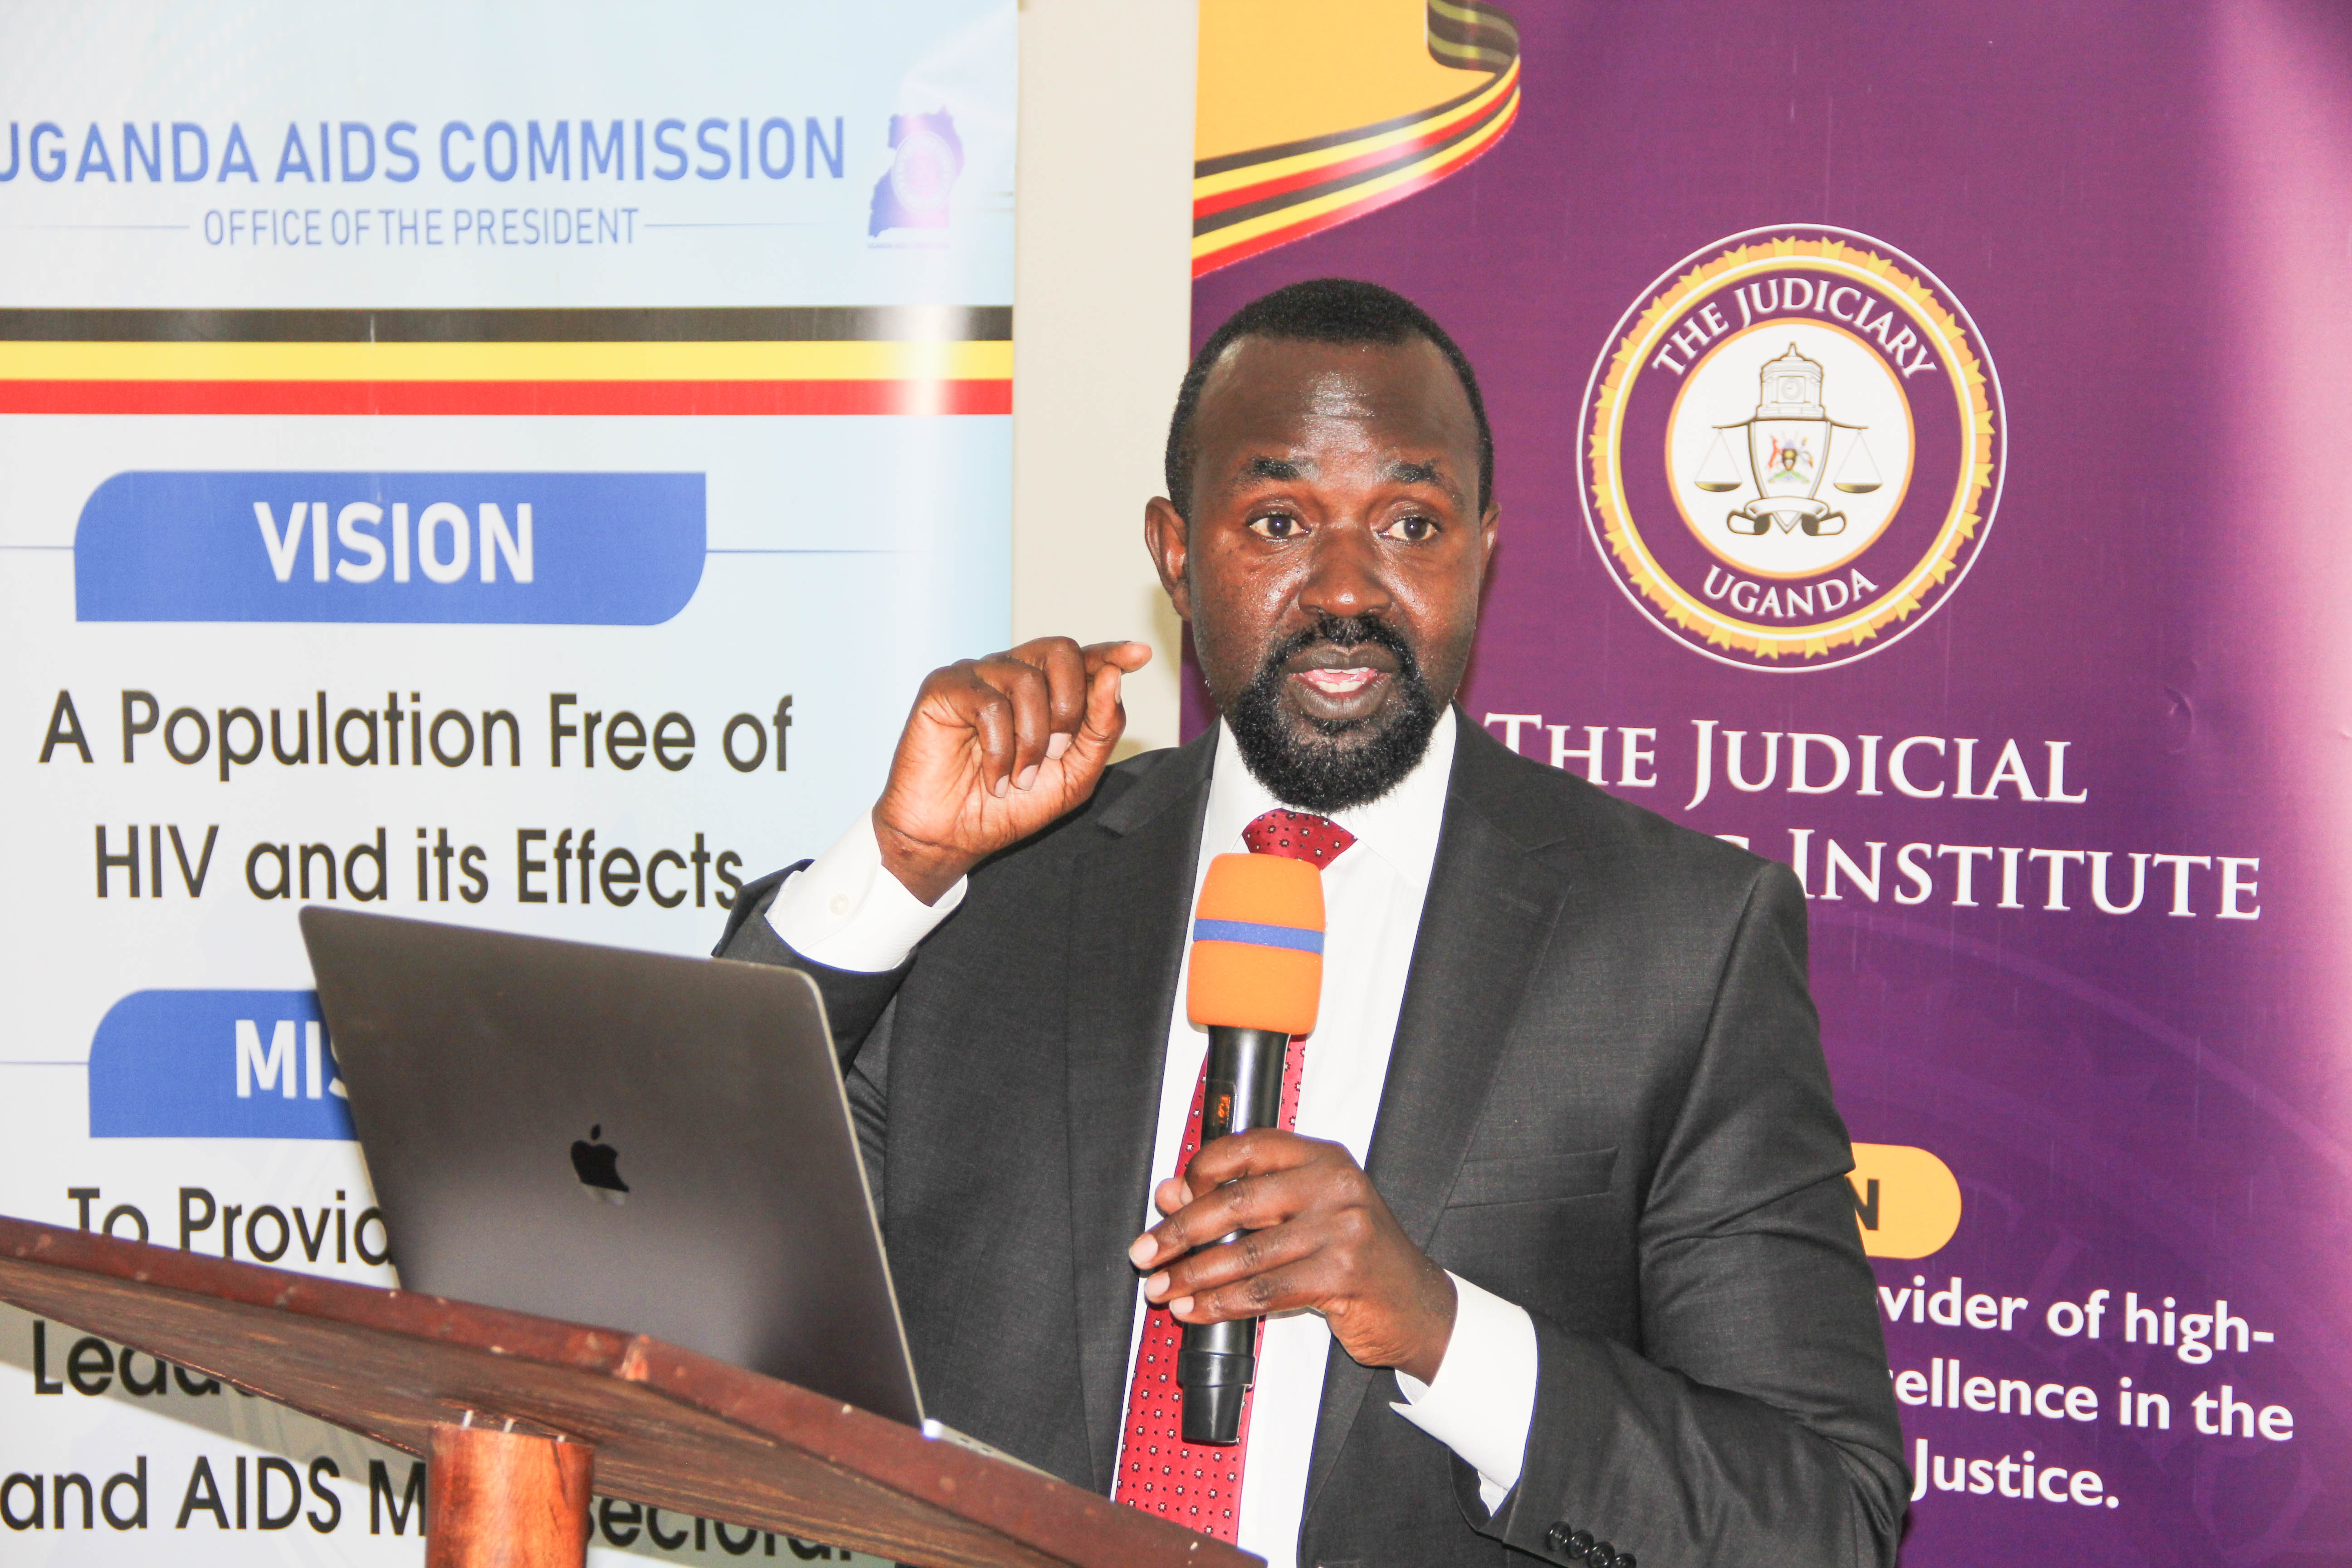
pixel 1607 1102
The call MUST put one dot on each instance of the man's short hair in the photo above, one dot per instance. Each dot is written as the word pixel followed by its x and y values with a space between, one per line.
pixel 1320 310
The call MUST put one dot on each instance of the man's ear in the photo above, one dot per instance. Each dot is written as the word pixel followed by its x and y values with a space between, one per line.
pixel 1488 525
pixel 1167 536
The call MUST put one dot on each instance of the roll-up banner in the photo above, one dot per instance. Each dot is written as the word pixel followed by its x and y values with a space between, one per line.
pixel 502 465
pixel 1917 458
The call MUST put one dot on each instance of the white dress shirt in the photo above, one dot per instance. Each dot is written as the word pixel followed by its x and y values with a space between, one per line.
pixel 845 912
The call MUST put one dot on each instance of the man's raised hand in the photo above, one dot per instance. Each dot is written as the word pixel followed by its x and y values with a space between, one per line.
pixel 995 749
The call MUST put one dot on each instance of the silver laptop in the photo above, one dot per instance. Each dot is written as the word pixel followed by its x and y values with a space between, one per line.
pixel 628 1140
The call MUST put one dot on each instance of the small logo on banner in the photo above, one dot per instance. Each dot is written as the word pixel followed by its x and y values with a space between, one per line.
pixel 508 549
pixel 1796 442
pixel 926 156
pixel 216 1064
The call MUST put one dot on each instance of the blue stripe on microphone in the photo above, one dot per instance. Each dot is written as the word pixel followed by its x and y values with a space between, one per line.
pixel 1258 935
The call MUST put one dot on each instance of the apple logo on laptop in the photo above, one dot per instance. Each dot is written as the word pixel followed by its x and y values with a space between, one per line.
pixel 599 1165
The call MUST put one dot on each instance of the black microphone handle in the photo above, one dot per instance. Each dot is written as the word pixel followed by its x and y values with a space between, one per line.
pixel 1219 1361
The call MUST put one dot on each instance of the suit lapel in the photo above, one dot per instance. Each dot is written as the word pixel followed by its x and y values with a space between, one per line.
pixel 1484 922
pixel 1131 904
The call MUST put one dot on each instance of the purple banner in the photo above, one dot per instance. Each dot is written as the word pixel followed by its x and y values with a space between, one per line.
pixel 1916 448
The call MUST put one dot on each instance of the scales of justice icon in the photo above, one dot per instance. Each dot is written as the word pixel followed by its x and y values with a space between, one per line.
pixel 1790 439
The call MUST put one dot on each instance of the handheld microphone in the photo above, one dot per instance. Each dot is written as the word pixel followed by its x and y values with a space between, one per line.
pixel 1256 978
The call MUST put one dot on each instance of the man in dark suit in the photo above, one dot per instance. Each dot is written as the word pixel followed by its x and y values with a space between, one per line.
pixel 1558 1257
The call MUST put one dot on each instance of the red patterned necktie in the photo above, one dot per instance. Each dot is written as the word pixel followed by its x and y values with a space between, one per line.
pixel 1198 1484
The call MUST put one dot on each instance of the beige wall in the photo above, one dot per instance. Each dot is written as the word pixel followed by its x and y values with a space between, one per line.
pixel 1102 302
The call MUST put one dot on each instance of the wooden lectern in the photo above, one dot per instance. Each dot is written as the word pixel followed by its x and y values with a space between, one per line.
pixel 518 1417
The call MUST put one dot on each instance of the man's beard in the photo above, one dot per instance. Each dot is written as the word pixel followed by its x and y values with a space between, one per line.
pixel 1338 763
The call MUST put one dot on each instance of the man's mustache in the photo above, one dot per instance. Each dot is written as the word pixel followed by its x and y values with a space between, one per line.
pixel 1343 632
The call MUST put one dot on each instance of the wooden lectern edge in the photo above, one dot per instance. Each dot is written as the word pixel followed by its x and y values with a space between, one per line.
pixel 504 1500
pixel 1038 1517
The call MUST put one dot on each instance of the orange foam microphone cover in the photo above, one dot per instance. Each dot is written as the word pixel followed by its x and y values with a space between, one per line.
pixel 1257 944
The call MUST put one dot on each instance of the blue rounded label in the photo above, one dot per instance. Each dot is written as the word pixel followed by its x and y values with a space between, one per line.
pixel 216 1064
pixel 505 549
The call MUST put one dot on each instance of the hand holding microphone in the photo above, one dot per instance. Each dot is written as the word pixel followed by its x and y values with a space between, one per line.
pixel 1256 980
pixel 1322 1238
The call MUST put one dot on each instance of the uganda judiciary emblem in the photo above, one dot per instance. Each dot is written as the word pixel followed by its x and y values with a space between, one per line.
pixel 1796 444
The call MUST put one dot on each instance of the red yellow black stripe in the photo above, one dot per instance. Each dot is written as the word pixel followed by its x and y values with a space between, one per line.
pixel 1250 202
pixel 783 361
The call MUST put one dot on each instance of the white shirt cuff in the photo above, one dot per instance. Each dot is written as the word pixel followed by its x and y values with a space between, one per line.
pixel 845 912
pixel 1484 1396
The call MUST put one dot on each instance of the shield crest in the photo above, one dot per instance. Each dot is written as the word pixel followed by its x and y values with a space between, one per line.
pixel 1788 457
pixel 1788 441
